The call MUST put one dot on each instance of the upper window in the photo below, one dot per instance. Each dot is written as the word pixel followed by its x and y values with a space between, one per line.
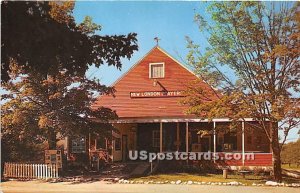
pixel 156 70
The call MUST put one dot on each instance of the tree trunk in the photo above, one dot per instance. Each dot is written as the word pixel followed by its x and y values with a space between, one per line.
pixel 276 153
pixel 51 138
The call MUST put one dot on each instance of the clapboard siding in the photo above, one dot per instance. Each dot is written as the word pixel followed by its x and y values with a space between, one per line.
pixel 260 159
pixel 137 79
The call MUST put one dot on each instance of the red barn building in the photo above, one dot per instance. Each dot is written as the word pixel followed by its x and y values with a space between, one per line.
pixel 151 117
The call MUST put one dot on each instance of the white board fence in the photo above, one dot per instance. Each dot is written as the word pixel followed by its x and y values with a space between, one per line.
pixel 30 171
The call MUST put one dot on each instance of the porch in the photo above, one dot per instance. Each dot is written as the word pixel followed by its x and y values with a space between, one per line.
pixel 193 135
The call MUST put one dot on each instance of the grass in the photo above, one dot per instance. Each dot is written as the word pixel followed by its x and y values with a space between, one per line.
pixel 291 167
pixel 202 178
pixel 249 180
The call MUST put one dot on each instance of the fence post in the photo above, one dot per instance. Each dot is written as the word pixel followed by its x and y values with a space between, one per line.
pixel 5 169
pixel 45 171
pixel 29 171
pixel 56 170
pixel 22 170
pixel 35 171
pixel 13 171
pixel 18 170
pixel 10 173
pixel 38 171
pixel 50 171
pixel 26 171
pixel 42 171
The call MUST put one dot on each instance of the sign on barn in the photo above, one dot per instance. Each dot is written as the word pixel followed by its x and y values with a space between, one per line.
pixel 149 94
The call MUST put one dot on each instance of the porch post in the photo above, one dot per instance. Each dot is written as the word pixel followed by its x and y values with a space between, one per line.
pixel 89 141
pixel 161 137
pixel 177 137
pixel 187 137
pixel 112 147
pixel 215 149
pixel 90 149
pixel 243 143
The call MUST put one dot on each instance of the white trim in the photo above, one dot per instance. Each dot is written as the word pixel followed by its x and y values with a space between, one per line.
pixel 153 64
pixel 161 137
pixel 162 50
pixel 243 142
pixel 167 120
pixel 187 137
pixel 215 145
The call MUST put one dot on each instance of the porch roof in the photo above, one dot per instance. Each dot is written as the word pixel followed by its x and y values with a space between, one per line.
pixel 173 119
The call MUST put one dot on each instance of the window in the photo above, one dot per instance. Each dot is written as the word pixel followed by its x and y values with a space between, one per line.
pixel 118 144
pixel 156 70
pixel 79 145
pixel 155 138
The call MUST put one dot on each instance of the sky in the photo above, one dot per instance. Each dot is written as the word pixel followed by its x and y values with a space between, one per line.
pixel 170 21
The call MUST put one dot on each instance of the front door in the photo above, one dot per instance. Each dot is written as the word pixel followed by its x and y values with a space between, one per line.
pixel 124 148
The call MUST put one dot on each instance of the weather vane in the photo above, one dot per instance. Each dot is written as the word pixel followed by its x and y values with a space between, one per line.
pixel 157 40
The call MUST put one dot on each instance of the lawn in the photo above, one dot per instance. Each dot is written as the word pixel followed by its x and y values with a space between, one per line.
pixel 291 167
pixel 202 178
pixel 249 180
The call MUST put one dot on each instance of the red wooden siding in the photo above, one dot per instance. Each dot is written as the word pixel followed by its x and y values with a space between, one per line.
pixel 137 80
pixel 260 159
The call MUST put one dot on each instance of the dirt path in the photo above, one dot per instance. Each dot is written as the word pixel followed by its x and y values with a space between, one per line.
pixel 100 186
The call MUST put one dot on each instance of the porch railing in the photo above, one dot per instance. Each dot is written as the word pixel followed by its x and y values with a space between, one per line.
pixel 30 171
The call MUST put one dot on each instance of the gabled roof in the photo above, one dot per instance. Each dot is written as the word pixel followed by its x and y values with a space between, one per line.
pixel 155 47
pixel 136 79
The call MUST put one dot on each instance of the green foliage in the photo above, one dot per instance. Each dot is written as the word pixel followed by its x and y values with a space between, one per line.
pixel 45 58
pixel 41 36
pixel 259 42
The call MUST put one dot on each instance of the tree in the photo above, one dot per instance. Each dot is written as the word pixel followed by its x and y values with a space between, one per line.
pixel 48 91
pixel 253 60
pixel 291 153
pixel 42 108
pixel 41 35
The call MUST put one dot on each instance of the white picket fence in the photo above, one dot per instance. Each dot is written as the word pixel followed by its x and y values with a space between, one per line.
pixel 30 171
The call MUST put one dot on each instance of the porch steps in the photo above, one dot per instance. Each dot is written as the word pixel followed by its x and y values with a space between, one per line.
pixel 141 169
